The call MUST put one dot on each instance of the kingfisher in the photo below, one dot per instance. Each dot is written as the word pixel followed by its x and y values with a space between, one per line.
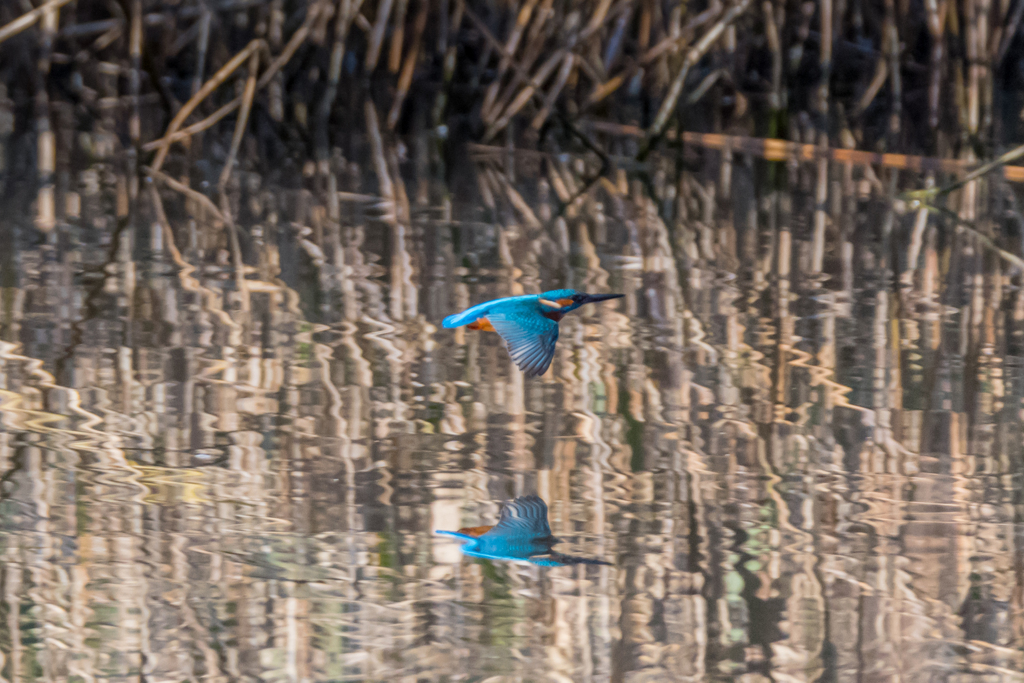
pixel 528 324
pixel 522 534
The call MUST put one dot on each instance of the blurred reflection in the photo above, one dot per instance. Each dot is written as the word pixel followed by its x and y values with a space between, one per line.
pixel 224 453
pixel 522 534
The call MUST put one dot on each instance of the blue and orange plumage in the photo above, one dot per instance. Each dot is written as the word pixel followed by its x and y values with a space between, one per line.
pixel 528 324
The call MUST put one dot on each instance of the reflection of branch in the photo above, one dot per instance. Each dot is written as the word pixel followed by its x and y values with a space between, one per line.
pixel 970 227
pixel 932 192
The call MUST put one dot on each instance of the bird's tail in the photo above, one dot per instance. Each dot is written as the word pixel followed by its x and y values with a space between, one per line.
pixel 460 319
pixel 572 559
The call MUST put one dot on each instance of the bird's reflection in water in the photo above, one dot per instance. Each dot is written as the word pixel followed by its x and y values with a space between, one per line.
pixel 522 534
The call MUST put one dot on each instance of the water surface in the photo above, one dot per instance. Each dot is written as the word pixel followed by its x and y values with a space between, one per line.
pixel 800 467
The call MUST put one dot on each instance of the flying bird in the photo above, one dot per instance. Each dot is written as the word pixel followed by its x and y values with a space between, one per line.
pixel 528 324
pixel 522 534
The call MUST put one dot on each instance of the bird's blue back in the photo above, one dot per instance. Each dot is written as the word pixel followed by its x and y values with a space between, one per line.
pixel 524 306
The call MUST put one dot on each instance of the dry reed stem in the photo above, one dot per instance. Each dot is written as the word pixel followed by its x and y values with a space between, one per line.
pixel 46 214
pixel 243 120
pixel 405 79
pixel 135 75
pixel 363 23
pixel 597 18
pixel 593 69
pixel 771 30
pixel 935 21
pixel 397 37
pixel 916 240
pixel 211 85
pixel 536 82
pixel 28 18
pixel 613 46
pixel 605 89
pixel 357 197
pixel 1009 33
pixel 825 62
pixel 820 217
pixel 975 70
pixel 46 142
pixel 563 77
pixel 557 183
pixel 183 39
pixel 202 46
pixel 380 163
pixel 666 45
pixel 276 65
pixel 881 75
pixel 377 36
pixel 536 40
pixel 706 84
pixel 891 43
pixel 347 9
pixel 692 57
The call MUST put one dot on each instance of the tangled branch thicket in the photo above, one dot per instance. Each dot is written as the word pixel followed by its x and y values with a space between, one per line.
pixel 194 90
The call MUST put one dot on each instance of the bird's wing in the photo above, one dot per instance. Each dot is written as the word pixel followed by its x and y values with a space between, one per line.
pixel 524 517
pixel 530 338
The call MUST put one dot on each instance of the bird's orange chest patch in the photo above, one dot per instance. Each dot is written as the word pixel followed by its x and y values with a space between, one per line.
pixel 475 531
pixel 481 324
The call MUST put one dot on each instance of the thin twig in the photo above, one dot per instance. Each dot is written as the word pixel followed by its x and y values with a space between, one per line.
pixel 203 93
pixel 932 192
pixel 377 36
pixel 28 18
pixel 243 120
pixel 405 79
pixel 279 62
pixel 1009 34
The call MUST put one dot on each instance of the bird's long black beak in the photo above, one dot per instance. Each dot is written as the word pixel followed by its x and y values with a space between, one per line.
pixel 594 298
